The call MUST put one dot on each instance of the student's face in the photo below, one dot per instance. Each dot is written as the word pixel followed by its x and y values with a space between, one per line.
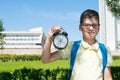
pixel 89 28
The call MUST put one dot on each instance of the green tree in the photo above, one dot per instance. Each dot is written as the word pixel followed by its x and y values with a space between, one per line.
pixel 1 35
pixel 114 7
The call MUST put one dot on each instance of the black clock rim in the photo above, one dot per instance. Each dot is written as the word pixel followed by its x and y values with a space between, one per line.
pixel 60 48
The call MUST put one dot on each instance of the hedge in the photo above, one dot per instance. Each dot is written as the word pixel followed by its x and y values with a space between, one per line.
pixel 9 57
pixel 41 74
pixel 115 72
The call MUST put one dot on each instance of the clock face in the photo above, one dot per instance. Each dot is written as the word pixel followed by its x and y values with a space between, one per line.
pixel 60 41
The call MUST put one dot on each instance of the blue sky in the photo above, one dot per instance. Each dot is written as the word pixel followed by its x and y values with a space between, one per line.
pixel 22 15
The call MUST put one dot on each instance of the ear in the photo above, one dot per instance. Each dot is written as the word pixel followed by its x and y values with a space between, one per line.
pixel 99 27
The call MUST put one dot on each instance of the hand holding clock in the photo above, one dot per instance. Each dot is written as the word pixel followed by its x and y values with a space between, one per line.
pixel 46 52
pixel 59 37
pixel 53 30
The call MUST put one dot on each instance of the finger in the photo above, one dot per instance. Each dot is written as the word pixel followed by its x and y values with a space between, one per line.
pixel 56 28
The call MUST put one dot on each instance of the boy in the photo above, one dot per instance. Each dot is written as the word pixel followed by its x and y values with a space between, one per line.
pixel 88 61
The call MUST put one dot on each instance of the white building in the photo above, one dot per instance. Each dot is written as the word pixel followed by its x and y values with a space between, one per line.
pixel 23 42
pixel 34 38
pixel 110 27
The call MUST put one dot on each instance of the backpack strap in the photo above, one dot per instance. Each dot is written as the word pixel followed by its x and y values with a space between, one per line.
pixel 74 52
pixel 73 55
pixel 104 55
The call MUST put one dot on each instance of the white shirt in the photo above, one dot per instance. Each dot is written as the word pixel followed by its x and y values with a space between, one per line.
pixel 88 62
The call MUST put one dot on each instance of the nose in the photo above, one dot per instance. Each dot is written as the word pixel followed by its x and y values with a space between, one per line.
pixel 91 27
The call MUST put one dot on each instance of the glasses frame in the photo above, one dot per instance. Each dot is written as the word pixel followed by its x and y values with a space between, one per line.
pixel 94 25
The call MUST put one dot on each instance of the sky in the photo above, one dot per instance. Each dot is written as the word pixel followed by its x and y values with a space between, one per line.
pixel 22 15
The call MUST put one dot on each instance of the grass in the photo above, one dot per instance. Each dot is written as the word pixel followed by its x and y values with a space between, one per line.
pixel 11 66
pixel 116 62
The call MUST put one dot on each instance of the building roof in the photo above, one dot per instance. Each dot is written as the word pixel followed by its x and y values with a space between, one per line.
pixel 31 31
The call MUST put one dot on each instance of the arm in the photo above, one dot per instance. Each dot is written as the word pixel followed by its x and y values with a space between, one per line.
pixel 107 74
pixel 47 56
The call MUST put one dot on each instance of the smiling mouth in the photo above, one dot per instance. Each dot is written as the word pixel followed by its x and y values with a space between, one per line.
pixel 91 32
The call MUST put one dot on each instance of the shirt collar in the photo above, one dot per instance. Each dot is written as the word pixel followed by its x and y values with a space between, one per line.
pixel 85 46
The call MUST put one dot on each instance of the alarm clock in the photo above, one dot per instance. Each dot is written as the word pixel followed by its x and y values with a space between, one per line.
pixel 60 40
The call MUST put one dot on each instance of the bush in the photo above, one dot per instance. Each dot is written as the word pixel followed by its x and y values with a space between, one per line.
pixel 41 74
pixel 5 58
pixel 8 57
pixel 116 57
pixel 115 73
pixel 5 76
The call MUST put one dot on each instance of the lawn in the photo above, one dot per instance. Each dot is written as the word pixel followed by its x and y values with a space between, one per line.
pixel 11 66
pixel 116 62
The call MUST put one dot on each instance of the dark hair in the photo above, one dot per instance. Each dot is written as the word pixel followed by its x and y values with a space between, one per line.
pixel 89 14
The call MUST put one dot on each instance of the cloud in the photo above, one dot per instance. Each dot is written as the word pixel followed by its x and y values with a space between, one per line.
pixel 54 15
pixel 50 14
pixel 61 16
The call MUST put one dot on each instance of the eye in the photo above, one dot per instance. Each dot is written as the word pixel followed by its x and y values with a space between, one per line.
pixel 86 25
pixel 95 25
